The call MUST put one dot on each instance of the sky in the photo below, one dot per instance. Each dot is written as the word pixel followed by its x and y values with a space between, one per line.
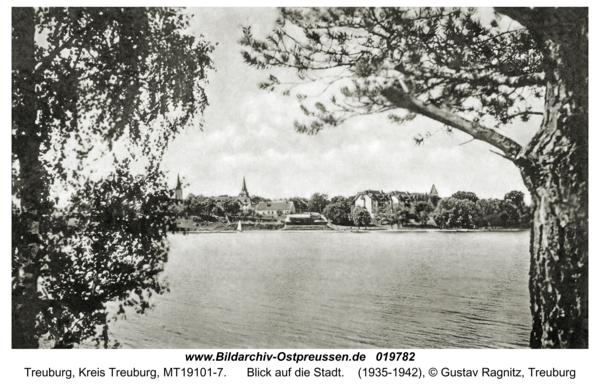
pixel 249 133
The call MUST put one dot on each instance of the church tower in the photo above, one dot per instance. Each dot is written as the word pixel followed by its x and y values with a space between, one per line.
pixel 434 191
pixel 178 191
pixel 244 192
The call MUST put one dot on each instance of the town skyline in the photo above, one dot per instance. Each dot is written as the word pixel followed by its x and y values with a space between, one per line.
pixel 250 132
pixel 186 192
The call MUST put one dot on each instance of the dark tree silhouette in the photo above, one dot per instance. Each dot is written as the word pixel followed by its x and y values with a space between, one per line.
pixel 103 77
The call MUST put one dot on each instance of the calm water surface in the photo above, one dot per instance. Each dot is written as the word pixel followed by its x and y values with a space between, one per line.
pixel 340 290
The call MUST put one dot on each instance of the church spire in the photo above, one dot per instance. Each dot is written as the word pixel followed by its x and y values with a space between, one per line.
pixel 244 189
pixel 178 183
pixel 178 190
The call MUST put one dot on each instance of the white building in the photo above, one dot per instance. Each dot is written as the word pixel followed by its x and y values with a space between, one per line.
pixel 272 208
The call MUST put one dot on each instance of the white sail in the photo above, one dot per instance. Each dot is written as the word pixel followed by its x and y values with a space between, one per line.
pixel 239 225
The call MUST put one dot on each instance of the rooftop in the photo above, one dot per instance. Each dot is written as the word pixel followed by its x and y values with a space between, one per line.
pixel 274 206
pixel 372 194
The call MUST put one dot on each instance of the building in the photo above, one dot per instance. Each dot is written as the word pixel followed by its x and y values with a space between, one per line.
pixel 178 190
pixel 426 197
pixel 373 200
pixel 244 197
pixel 434 191
pixel 275 208
pixel 305 219
pixel 177 205
pixel 400 197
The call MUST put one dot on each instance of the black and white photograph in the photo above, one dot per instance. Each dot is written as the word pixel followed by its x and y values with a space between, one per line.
pixel 302 178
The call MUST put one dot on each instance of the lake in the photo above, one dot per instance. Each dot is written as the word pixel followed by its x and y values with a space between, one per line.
pixel 339 290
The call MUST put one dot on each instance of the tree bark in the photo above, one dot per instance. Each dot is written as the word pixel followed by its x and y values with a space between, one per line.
pixel 31 185
pixel 556 174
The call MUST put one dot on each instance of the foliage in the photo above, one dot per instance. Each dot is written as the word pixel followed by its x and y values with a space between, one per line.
pixel 249 212
pixel 434 200
pixel 195 205
pixel 516 215
pixel 338 198
pixel 201 205
pixel 114 251
pixel 300 204
pixel 349 200
pixel 338 212
pixel 515 198
pixel 456 213
pixel 404 211
pixel 486 213
pixel 318 202
pixel 423 210
pixel 231 207
pixel 491 213
pixel 510 212
pixel 360 216
pixel 462 195
pixel 391 213
pixel 443 57
pixel 257 199
pixel 104 79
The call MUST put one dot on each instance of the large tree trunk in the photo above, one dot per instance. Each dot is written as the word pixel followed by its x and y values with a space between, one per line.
pixel 556 174
pixel 31 185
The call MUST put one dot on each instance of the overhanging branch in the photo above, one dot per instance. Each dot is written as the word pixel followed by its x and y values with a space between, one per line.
pixel 401 99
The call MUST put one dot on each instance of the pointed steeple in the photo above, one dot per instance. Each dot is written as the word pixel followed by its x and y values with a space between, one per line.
pixel 433 191
pixel 178 183
pixel 178 190
pixel 244 189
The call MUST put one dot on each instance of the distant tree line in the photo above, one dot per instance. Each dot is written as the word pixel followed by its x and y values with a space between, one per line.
pixel 461 210
pixel 465 210
pixel 204 206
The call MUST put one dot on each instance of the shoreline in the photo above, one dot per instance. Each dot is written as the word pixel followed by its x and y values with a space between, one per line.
pixel 356 231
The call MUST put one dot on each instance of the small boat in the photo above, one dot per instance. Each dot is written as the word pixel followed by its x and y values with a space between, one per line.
pixel 239 227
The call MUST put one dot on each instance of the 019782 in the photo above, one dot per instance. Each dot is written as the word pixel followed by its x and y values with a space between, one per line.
pixel 395 356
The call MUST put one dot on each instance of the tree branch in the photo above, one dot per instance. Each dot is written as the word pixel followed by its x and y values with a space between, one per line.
pixel 45 61
pixel 50 57
pixel 400 99
pixel 524 114
pixel 491 78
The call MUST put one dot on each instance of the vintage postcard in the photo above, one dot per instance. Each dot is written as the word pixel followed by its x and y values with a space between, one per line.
pixel 235 181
